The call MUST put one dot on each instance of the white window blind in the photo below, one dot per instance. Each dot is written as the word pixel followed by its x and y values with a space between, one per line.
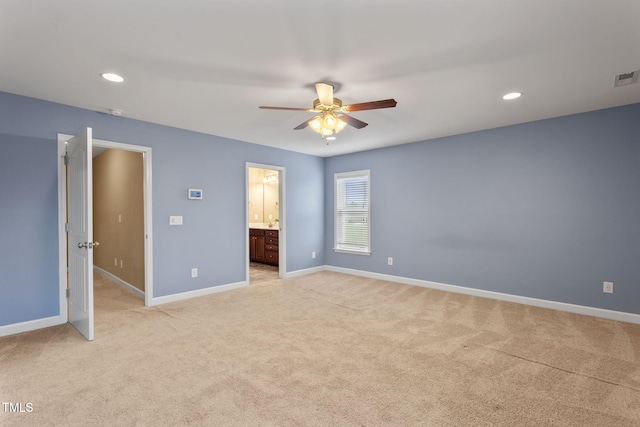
pixel 352 233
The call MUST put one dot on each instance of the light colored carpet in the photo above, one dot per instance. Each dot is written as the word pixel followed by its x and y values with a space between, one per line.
pixel 324 350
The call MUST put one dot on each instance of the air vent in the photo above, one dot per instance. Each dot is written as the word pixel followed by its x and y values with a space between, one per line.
pixel 626 78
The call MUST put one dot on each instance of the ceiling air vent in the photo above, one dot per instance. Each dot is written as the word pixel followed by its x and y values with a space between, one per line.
pixel 626 78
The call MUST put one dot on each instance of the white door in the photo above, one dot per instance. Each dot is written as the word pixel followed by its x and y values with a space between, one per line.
pixel 80 235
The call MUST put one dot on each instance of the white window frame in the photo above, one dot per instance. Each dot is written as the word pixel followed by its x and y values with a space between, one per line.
pixel 345 248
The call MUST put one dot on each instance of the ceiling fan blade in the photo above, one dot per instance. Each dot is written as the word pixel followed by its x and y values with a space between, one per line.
pixel 352 121
pixel 373 105
pixel 286 108
pixel 325 93
pixel 302 125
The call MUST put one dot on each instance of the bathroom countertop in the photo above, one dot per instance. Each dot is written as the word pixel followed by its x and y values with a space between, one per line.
pixel 264 225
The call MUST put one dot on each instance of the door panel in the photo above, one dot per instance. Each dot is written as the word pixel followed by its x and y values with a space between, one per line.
pixel 80 236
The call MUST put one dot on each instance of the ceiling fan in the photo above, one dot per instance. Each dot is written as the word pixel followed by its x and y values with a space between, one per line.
pixel 332 118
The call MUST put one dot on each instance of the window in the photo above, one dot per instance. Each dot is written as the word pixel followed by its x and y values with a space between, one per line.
pixel 352 212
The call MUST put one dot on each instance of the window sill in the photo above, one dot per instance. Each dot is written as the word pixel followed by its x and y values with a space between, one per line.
pixel 347 251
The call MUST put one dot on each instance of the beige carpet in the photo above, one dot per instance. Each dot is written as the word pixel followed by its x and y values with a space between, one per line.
pixel 325 350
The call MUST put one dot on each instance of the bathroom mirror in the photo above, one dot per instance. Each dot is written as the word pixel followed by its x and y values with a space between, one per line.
pixel 263 196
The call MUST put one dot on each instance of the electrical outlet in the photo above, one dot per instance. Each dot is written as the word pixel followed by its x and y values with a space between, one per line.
pixel 390 260
pixel 115 262
pixel 313 254
pixel 121 264
pixel 194 273
pixel 607 287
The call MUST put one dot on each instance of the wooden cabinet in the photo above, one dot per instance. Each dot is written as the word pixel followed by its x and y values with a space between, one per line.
pixel 256 245
pixel 271 246
pixel 263 246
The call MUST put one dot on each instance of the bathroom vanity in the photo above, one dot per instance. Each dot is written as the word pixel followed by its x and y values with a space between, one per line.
pixel 263 245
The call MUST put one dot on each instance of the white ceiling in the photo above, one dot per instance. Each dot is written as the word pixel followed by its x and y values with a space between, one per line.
pixel 207 65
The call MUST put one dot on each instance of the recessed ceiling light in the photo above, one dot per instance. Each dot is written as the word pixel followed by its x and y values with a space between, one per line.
pixel 512 95
pixel 330 138
pixel 112 77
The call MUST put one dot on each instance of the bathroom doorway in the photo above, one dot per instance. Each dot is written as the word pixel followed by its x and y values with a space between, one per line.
pixel 265 222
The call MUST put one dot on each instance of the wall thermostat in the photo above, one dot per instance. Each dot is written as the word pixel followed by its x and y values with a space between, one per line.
pixel 195 194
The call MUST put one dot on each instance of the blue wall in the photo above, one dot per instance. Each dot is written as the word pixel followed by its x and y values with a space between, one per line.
pixel 29 229
pixel 212 237
pixel 547 209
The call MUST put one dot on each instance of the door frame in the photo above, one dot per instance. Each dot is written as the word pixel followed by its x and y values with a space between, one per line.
pixel 62 215
pixel 282 217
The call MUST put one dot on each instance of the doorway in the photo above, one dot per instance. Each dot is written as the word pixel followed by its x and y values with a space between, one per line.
pixel 265 222
pixel 118 221
pixel 62 219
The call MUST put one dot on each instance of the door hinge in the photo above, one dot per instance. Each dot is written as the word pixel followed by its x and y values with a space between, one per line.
pixel 66 159
pixel 67 227
pixel 68 292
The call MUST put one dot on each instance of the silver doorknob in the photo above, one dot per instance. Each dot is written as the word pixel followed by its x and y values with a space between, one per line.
pixel 88 245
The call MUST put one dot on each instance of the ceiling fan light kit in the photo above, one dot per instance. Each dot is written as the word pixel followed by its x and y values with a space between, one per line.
pixel 327 124
pixel 332 118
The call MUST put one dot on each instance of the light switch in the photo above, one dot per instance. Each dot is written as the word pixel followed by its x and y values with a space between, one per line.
pixel 175 220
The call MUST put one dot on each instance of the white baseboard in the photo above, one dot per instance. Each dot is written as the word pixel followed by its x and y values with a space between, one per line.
pixel 197 293
pixel 554 305
pixel 31 325
pixel 303 272
pixel 125 285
